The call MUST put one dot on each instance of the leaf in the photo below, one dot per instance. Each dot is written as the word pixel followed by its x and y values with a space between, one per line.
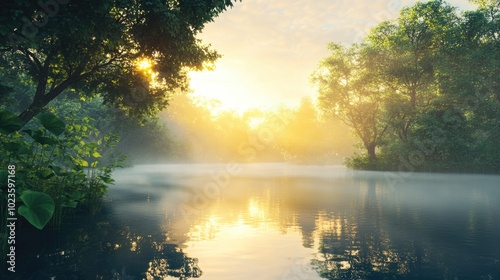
pixel 18 148
pixel 45 174
pixel 30 132
pixel 58 170
pixel 38 136
pixel 92 145
pixel 9 122
pixel 52 123
pixel 45 140
pixel 73 199
pixel 81 162
pixel 96 154
pixel 38 208
pixel 77 196
pixel 107 179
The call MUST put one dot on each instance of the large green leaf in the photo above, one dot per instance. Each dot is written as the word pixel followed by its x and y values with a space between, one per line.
pixel 73 199
pixel 51 123
pixel 46 140
pixel 45 174
pixel 9 122
pixel 38 208
pixel 18 148
pixel 39 137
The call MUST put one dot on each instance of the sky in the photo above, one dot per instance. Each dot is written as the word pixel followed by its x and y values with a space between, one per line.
pixel 270 48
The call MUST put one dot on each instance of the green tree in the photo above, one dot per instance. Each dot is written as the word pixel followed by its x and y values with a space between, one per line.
pixel 461 118
pixel 429 82
pixel 408 49
pixel 94 46
pixel 349 90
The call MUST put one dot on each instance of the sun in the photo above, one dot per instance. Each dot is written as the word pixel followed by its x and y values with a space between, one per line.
pixel 223 85
pixel 144 64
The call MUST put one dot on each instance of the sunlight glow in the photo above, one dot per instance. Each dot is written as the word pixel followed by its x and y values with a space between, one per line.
pixel 235 90
pixel 255 122
pixel 145 64
pixel 255 210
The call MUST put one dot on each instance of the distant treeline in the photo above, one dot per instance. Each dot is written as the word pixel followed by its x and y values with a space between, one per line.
pixel 189 131
pixel 297 135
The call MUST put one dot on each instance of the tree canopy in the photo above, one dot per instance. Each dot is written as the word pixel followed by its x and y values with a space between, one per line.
pixel 93 47
pixel 422 89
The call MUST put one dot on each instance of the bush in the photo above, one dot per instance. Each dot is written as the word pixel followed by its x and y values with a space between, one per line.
pixel 58 166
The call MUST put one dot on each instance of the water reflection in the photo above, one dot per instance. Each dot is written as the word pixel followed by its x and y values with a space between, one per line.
pixel 98 248
pixel 278 221
pixel 355 225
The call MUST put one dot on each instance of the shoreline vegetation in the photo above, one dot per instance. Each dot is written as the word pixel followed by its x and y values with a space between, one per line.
pixel 420 93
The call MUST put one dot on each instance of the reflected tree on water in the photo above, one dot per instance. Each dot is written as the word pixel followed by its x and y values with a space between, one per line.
pixel 178 265
pixel 353 247
pixel 97 248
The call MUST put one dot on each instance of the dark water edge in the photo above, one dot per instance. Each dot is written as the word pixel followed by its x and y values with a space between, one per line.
pixel 405 166
pixel 428 226
pixel 91 246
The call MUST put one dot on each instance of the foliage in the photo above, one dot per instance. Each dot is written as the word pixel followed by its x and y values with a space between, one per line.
pixel 9 122
pixel 438 76
pixel 37 209
pixel 57 164
pixel 349 90
pixel 93 47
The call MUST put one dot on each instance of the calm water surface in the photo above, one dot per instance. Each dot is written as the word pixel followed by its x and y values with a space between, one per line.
pixel 278 221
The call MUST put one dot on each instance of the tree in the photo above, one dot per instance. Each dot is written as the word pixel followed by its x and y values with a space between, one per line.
pixel 94 46
pixel 460 120
pixel 349 90
pixel 423 88
pixel 408 49
pixel 302 139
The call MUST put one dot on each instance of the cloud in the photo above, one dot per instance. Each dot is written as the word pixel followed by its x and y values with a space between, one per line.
pixel 272 46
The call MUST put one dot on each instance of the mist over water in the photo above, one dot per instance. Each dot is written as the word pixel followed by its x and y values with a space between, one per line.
pixel 217 189
pixel 281 221
pixel 276 221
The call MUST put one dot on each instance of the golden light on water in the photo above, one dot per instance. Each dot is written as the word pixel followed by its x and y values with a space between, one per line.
pixel 238 228
pixel 283 225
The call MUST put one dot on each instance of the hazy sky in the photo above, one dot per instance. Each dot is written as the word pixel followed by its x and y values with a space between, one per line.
pixel 271 47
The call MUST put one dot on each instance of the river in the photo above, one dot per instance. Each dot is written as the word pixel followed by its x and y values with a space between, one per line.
pixel 280 221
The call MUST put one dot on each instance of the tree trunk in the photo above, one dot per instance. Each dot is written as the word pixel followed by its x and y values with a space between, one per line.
pixel 39 103
pixel 413 98
pixel 41 100
pixel 371 151
pixel 33 110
